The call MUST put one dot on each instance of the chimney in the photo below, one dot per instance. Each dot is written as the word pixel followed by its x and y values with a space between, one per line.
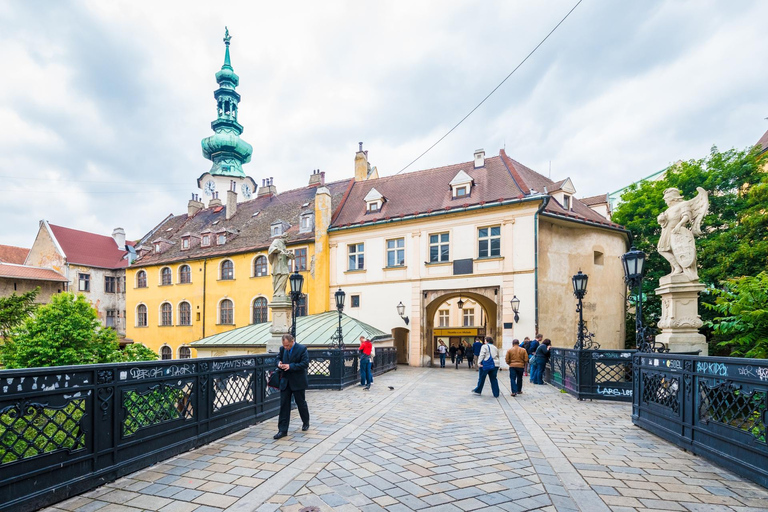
pixel 215 201
pixel 267 188
pixel 231 200
pixel 361 164
pixel 317 178
pixel 479 158
pixel 194 205
pixel 119 235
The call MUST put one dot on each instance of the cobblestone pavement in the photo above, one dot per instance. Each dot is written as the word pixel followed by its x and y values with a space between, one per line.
pixel 429 444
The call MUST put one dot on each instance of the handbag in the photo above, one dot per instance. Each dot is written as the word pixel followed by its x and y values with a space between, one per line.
pixel 488 364
pixel 274 379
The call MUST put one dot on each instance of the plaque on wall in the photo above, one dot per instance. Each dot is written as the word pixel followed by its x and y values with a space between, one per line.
pixel 508 325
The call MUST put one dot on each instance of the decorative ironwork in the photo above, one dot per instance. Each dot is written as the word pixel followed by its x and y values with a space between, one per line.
pixel 646 340
pixel 105 376
pixel 159 404
pixel 320 367
pixel 105 395
pixel 337 341
pixel 661 390
pixel 30 429
pixel 203 367
pixel 232 389
pixel 621 372
pixel 729 405
pixel 586 339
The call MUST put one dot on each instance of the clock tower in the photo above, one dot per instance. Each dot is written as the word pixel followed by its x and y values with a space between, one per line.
pixel 225 148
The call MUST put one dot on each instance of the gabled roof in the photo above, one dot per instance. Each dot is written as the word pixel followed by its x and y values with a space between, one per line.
pixel 593 200
pixel 429 191
pixel 763 142
pixel 250 226
pixel 89 249
pixel 26 272
pixel 12 254
pixel 312 330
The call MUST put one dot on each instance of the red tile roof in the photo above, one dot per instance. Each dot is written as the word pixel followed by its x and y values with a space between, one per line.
pixel 89 249
pixel 763 142
pixel 12 254
pixel 428 191
pixel 418 192
pixel 593 200
pixel 31 273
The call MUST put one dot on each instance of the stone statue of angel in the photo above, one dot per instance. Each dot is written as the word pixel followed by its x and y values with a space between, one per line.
pixel 679 224
pixel 280 258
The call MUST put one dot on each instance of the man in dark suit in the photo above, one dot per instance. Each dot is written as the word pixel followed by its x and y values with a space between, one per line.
pixel 293 363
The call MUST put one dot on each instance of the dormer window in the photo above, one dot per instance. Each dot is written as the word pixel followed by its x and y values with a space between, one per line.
pixel 157 247
pixel 567 202
pixel 461 185
pixel 221 239
pixel 373 201
pixel 278 228
pixel 306 222
pixel 185 243
pixel 205 241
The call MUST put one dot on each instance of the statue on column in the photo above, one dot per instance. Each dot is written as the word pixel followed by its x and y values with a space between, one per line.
pixel 679 224
pixel 279 258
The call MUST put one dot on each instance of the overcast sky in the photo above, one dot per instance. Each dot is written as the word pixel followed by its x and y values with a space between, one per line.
pixel 103 104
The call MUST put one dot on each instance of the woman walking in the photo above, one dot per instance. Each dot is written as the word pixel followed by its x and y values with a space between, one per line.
pixel 489 363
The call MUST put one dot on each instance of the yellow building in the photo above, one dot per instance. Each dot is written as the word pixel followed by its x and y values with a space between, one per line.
pixel 207 271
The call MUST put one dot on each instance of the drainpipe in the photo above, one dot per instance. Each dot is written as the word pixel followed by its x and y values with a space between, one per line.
pixel 205 262
pixel 544 202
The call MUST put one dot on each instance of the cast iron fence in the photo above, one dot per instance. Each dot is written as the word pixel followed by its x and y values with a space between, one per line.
pixel 713 407
pixel 64 430
pixel 591 374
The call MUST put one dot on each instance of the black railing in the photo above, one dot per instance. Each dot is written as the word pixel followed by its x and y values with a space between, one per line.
pixel 713 407
pixel 591 374
pixel 64 430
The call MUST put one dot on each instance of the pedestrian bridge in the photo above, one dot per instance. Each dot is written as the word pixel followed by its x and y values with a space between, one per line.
pixel 419 440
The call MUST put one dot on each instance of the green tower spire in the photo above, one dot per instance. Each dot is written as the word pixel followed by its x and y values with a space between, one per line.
pixel 225 148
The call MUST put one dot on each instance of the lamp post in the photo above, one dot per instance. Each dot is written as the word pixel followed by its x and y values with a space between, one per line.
pixel 515 303
pixel 297 281
pixel 339 295
pixel 580 290
pixel 634 263
pixel 401 312
pixel 460 303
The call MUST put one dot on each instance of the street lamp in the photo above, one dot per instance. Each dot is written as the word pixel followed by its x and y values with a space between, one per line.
pixel 460 303
pixel 634 263
pixel 339 295
pixel 401 312
pixel 297 281
pixel 515 303
pixel 580 290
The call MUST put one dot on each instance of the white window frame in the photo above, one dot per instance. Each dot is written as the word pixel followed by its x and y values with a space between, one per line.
pixel 439 244
pixel 218 311
pixel 358 254
pixel 468 317
pixel 395 250
pixel 266 266
pixel 138 315
pixel 444 317
pixel 488 239
pixel 221 270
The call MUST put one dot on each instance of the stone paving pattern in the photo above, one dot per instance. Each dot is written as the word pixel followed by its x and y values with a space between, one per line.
pixel 430 444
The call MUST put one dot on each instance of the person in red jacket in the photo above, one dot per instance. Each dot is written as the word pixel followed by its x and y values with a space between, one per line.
pixel 366 375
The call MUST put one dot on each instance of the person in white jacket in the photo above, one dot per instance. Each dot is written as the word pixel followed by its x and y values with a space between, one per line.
pixel 488 362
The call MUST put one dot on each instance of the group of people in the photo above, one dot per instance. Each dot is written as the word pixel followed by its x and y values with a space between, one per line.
pixel 532 354
pixel 458 353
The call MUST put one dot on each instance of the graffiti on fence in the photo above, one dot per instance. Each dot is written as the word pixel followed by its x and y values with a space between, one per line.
pixel 613 391
pixel 674 364
pixel 713 368
pixel 158 371
pixel 232 364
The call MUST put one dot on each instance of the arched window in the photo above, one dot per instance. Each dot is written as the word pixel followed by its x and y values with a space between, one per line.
pixel 185 274
pixel 260 310
pixel 185 314
pixel 166 314
pixel 227 270
pixel 166 276
pixel 260 266
pixel 226 312
pixel 141 279
pixel 185 353
pixel 141 316
pixel 166 352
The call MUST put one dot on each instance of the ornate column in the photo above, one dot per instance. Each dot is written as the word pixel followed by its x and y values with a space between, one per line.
pixel 680 320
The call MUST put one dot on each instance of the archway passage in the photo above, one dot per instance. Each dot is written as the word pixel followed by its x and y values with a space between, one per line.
pixel 400 335
pixel 479 316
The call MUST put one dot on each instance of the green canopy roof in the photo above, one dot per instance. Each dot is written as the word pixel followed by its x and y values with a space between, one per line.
pixel 310 330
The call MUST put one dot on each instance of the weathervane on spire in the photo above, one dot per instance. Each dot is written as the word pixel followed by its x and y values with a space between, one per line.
pixel 227 37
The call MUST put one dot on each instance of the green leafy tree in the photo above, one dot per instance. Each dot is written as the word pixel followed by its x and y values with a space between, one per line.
pixel 735 238
pixel 65 332
pixel 136 352
pixel 15 309
pixel 742 309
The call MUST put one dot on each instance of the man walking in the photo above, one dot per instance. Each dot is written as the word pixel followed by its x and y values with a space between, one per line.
pixel 293 363
pixel 516 358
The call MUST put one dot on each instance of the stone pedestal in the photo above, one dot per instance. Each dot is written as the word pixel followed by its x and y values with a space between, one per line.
pixel 281 322
pixel 680 320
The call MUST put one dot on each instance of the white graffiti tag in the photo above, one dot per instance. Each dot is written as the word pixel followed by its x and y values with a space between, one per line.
pixel 713 368
pixel 613 391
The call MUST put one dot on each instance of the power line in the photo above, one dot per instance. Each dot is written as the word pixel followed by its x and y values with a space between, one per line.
pixel 94 181
pixel 493 91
